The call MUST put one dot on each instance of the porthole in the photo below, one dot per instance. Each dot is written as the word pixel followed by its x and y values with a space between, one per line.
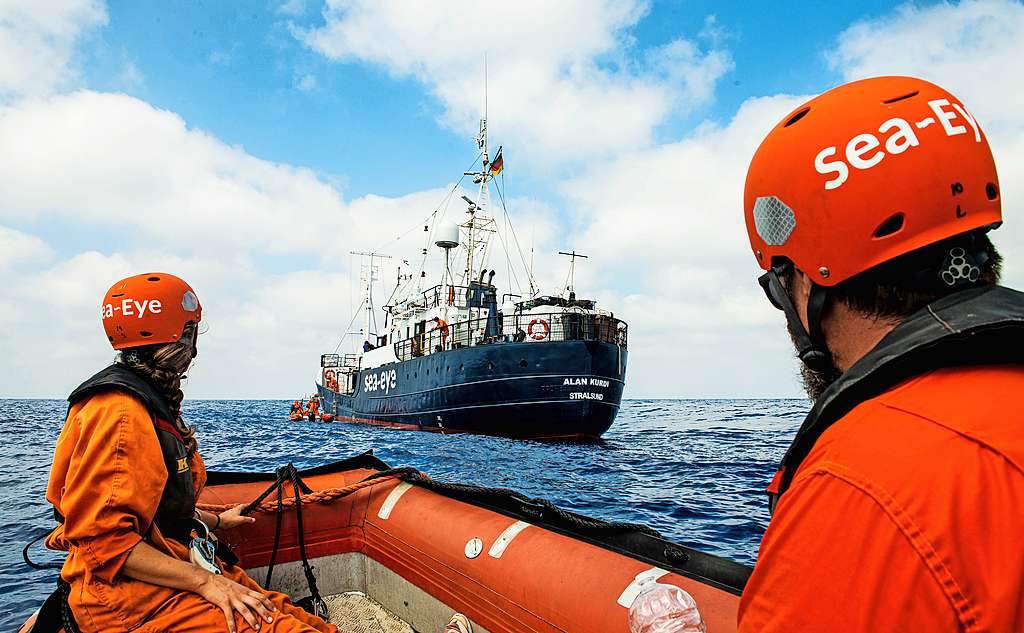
pixel 524 364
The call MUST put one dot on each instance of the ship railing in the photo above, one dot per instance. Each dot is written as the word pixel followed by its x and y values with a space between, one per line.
pixel 339 360
pixel 516 328
pixel 454 296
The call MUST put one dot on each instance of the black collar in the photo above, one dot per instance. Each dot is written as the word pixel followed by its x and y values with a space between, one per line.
pixel 980 326
pixel 122 378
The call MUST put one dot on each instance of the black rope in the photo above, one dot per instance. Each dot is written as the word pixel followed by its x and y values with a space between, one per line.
pixel 319 606
pixel 279 485
pixel 290 474
pixel 33 564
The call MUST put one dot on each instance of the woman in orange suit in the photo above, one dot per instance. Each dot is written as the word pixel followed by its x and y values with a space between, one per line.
pixel 124 483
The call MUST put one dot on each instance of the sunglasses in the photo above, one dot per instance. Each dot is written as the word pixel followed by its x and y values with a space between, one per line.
pixel 771 283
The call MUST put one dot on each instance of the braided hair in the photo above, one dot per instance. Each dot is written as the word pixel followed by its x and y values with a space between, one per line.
pixel 164 367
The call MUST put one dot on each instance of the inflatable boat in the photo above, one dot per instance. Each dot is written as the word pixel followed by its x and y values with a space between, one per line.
pixel 390 549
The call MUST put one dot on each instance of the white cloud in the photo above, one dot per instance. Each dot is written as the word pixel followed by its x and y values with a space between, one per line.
pixel 164 197
pixel 663 224
pixel 17 248
pixel 679 245
pixel 565 82
pixel 133 170
pixel 974 49
pixel 37 40
pixel 697 319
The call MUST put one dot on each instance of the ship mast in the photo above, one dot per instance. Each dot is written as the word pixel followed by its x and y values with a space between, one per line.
pixel 368 274
pixel 570 281
pixel 478 223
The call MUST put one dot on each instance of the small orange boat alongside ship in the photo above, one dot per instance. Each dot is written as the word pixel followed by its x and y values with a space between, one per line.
pixel 417 550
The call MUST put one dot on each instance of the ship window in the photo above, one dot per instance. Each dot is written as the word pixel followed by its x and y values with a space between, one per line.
pixel 490 365
pixel 428 371
pixel 448 368
pixel 524 364
pixel 462 366
pixel 414 374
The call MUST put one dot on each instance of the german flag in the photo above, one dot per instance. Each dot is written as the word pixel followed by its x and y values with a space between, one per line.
pixel 497 164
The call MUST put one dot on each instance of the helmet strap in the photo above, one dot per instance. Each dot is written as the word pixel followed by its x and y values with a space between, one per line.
pixel 811 346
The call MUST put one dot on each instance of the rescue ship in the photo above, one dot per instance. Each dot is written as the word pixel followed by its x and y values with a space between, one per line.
pixel 452 358
pixel 390 550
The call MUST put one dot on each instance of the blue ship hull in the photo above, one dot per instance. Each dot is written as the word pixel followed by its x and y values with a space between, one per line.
pixel 555 390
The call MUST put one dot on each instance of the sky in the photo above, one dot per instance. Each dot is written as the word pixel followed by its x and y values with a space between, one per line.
pixel 249 146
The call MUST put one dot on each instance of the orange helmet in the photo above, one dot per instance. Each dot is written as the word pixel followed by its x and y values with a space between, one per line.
pixel 149 309
pixel 866 172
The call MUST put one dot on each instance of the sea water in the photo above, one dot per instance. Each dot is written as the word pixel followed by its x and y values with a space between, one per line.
pixel 695 470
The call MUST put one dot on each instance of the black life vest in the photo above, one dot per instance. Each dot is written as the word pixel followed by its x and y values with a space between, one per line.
pixel 981 326
pixel 178 501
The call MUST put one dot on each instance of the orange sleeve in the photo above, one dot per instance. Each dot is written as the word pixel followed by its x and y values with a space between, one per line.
pixel 107 481
pixel 833 559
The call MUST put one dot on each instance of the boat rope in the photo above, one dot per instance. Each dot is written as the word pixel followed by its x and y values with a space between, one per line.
pixel 260 504
pixel 33 564
pixel 535 508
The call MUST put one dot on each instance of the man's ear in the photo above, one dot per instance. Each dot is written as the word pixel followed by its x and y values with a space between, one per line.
pixel 800 288
pixel 800 291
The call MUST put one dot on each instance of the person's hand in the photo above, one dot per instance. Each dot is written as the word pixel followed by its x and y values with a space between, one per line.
pixel 233 518
pixel 253 606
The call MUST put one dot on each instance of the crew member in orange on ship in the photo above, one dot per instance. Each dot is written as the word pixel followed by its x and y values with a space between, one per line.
pixel 898 506
pixel 125 478
pixel 442 325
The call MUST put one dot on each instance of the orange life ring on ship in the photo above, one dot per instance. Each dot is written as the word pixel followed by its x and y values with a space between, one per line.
pixel 538 336
pixel 329 375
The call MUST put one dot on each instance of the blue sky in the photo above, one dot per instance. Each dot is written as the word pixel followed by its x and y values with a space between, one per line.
pixel 232 68
pixel 248 146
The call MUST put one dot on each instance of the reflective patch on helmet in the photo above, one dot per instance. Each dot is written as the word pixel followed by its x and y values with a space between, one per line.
pixel 773 220
pixel 189 301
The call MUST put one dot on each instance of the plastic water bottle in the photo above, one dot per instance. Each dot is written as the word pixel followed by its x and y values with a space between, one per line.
pixel 661 608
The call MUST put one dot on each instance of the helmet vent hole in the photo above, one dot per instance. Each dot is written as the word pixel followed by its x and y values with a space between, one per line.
pixel 146 334
pixel 991 191
pixel 120 294
pixel 796 117
pixel 152 279
pixel 901 97
pixel 889 227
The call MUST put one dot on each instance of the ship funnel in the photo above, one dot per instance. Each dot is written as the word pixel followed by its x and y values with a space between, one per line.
pixel 447 235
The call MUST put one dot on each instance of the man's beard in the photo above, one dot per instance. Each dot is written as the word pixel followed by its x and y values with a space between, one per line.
pixel 816 381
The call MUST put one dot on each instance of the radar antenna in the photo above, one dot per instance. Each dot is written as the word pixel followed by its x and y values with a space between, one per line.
pixel 572 269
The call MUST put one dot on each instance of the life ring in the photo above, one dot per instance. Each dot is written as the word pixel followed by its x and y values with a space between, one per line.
pixel 329 375
pixel 538 336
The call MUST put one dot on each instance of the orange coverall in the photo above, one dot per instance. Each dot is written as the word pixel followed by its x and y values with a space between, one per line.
pixel 907 515
pixel 107 478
